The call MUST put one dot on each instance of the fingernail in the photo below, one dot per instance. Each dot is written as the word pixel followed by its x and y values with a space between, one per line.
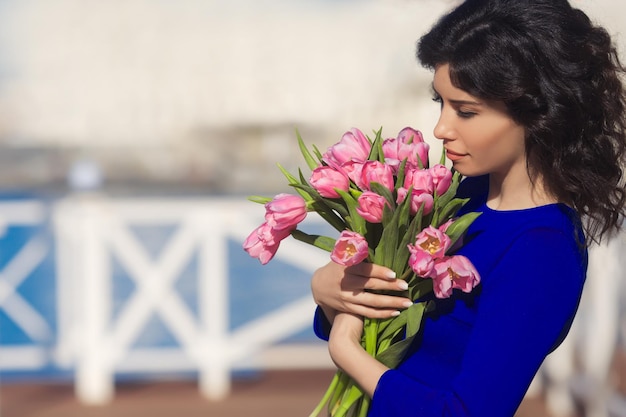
pixel 395 314
pixel 407 304
pixel 403 285
pixel 390 274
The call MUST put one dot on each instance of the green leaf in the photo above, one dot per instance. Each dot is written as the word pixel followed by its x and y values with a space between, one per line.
pixel 387 247
pixel 323 207
pixel 401 173
pixel 288 175
pixel 331 218
pixel 373 156
pixel 354 220
pixel 259 199
pixel 318 154
pixel 396 352
pixel 303 180
pixel 293 181
pixel 460 225
pixel 450 193
pixel 402 257
pixel 414 318
pixel 310 161
pixel 448 211
pixel 395 324
pixel 384 344
pixel 323 242
pixel 420 288
pixel 378 143
pixel 420 219
pixel 355 193
pixel 330 204
pixel 404 210
pixel 376 152
pixel 383 191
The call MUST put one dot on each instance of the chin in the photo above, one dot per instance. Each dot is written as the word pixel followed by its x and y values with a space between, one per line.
pixel 468 171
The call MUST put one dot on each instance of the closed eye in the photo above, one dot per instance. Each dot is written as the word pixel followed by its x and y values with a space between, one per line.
pixel 456 104
pixel 465 114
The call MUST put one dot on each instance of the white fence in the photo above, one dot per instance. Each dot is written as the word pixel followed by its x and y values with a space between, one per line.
pixel 90 232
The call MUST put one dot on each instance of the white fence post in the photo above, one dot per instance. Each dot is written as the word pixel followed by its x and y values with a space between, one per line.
pixel 94 376
pixel 215 369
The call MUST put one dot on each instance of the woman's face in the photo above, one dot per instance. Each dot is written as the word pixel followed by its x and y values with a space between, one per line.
pixel 479 136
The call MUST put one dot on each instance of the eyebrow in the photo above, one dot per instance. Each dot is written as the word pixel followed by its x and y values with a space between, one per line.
pixel 465 102
pixel 456 102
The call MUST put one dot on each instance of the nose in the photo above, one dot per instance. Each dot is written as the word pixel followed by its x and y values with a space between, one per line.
pixel 444 128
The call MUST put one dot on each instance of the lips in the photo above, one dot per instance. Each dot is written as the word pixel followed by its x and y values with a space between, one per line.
pixel 453 156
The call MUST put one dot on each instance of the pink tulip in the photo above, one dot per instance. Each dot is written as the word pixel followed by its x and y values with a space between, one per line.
pixel 420 179
pixel 285 211
pixel 371 206
pixel 375 171
pixel 263 242
pixel 445 226
pixel 410 135
pixel 442 178
pixel 442 280
pixel 466 276
pixel 418 199
pixel 353 170
pixel 326 180
pixel 353 146
pixel 350 249
pixel 433 241
pixel 454 272
pixel 409 145
pixel 420 261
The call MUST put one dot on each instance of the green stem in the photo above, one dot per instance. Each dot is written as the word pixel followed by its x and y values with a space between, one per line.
pixel 371 335
pixel 352 395
pixel 364 406
pixel 340 389
pixel 327 395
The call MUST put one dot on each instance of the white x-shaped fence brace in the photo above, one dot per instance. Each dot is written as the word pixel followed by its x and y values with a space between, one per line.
pixel 24 315
pixel 90 230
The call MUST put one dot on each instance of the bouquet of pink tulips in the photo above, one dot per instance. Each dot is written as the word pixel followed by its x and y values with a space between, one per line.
pixel 390 207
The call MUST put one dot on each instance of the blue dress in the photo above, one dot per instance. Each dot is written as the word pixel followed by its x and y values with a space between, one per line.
pixel 479 352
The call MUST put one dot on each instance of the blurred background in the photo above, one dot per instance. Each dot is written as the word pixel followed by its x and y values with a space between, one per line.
pixel 131 133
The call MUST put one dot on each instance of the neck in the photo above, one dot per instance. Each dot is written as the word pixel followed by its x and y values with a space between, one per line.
pixel 507 192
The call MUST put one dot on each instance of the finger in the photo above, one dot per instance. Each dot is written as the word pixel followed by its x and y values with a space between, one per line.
pixel 352 282
pixel 370 270
pixel 379 284
pixel 373 313
pixel 380 301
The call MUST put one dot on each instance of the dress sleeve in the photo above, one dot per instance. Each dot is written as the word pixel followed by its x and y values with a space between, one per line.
pixel 523 311
pixel 321 325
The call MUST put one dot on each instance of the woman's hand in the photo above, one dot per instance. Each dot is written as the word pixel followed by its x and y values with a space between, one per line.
pixel 344 346
pixel 337 288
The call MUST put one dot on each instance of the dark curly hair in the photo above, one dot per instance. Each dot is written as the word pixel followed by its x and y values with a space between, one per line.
pixel 559 76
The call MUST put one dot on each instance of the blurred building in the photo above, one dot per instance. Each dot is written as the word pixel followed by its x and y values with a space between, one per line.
pixel 201 93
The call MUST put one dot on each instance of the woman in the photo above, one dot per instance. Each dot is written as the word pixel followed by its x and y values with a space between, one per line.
pixel 532 112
